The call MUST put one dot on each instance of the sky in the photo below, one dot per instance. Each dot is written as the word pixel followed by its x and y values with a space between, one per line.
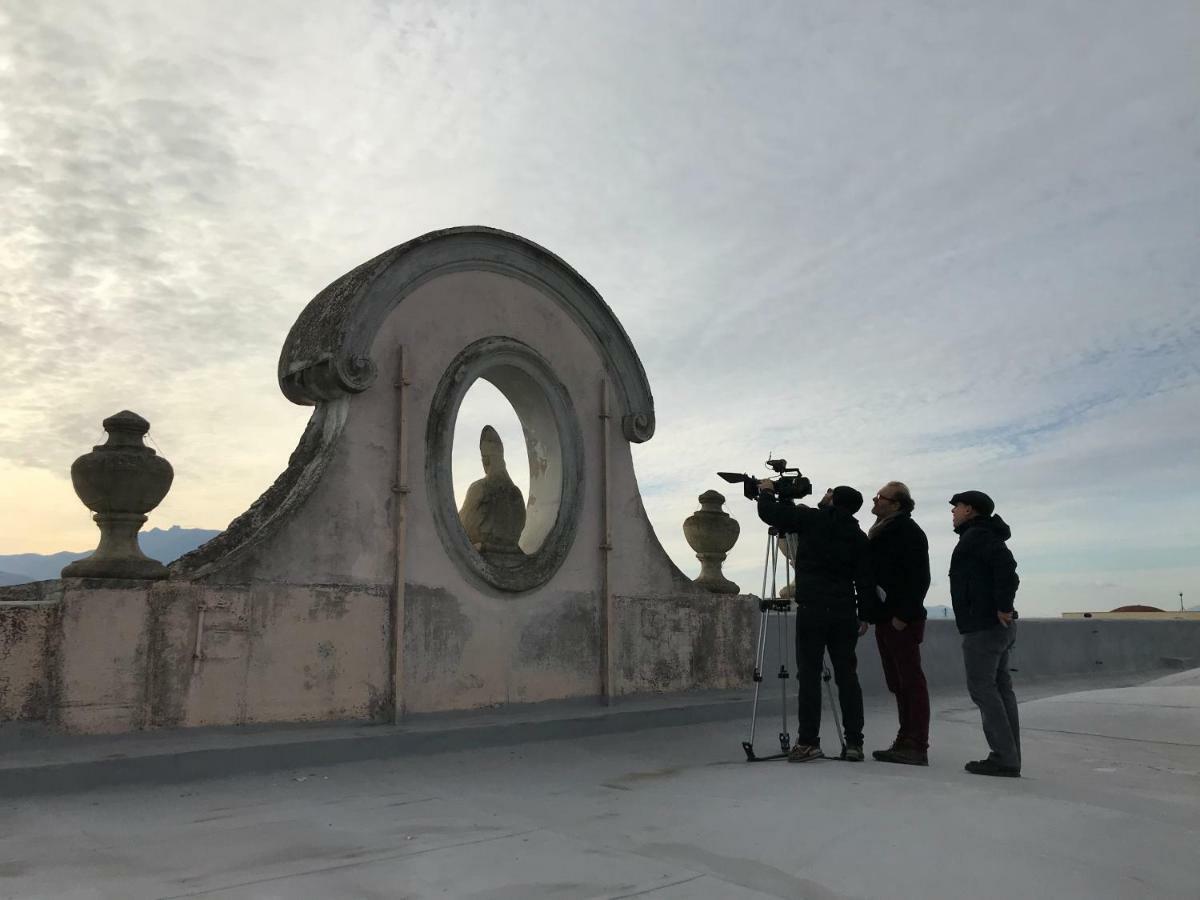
pixel 951 243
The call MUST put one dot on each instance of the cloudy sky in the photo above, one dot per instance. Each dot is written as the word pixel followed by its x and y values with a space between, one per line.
pixel 955 243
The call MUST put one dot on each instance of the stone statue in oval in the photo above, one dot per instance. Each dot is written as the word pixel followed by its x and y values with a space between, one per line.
pixel 493 512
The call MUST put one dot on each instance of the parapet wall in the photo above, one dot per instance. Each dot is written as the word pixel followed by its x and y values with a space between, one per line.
pixel 104 656
pixel 1045 648
pixel 29 631
pixel 99 657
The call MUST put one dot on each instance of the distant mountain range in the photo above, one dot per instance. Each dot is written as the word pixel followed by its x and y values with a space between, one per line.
pixel 165 545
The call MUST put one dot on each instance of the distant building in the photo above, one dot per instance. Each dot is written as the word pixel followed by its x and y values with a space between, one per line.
pixel 1135 611
pixel 1138 608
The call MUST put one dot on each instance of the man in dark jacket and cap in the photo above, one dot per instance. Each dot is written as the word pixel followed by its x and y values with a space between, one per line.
pixel 900 562
pixel 833 577
pixel 983 585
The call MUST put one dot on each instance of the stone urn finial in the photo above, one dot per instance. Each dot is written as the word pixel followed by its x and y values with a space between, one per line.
pixel 120 481
pixel 711 532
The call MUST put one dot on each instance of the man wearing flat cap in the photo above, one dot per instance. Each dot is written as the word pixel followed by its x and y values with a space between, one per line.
pixel 833 583
pixel 983 585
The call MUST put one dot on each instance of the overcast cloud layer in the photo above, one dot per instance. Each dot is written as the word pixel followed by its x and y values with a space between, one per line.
pixel 951 243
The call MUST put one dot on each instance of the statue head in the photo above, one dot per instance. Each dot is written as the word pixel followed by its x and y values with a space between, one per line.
pixel 491 451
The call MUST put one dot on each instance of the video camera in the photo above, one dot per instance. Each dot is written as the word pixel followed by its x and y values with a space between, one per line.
pixel 790 485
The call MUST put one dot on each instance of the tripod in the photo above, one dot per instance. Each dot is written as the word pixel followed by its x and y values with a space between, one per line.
pixel 775 609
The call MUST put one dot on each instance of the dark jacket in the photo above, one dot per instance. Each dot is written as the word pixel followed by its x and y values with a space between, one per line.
pixel 833 568
pixel 900 563
pixel 983 574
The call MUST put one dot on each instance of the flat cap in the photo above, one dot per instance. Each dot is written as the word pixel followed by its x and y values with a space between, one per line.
pixel 977 500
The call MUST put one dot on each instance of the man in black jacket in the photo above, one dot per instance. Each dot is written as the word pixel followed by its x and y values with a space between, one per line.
pixel 900 562
pixel 832 577
pixel 983 585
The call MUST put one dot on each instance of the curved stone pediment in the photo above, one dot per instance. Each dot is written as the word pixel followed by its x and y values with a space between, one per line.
pixel 353 586
pixel 327 353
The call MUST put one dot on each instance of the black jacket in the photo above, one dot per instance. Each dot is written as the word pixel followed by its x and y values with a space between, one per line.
pixel 900 562
pixel 983 574
pixel 833 568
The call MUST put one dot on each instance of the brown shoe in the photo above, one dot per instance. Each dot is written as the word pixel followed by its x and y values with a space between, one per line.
pixel 904 754
pixel 805 753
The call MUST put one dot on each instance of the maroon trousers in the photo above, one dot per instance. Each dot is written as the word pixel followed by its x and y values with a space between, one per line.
pixel 900 653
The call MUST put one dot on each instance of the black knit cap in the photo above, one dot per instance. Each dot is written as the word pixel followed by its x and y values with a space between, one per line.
pixel 977 500
pixel 847 498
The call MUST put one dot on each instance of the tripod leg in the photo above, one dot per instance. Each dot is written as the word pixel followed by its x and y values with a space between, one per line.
pixel 769 604
pixel 766 566
pixel 833 707
pixel 785 738
pixel 759 659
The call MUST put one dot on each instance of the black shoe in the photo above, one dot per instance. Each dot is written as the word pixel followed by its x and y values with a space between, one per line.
pixel 852 753
pixel 988 767
pixel 903 754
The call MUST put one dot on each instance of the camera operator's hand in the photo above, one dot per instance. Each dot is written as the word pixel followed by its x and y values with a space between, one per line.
pixel 899 624
pixel 766 486
pixel 862 628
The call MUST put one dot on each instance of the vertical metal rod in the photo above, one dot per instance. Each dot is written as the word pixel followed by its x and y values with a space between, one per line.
pixel 198 650
pixel 400 497
pixel 607 687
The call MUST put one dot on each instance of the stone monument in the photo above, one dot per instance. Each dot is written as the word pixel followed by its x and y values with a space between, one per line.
pixel 493 512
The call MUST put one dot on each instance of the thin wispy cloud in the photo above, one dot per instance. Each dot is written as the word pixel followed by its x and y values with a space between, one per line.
pixel 953 244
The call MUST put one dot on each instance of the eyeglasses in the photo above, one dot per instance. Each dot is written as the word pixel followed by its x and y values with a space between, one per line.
pixel 888 499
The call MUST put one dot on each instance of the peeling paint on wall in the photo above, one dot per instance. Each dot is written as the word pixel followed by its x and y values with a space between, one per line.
pixel 435 632
pixel 563 635
pixel 27 637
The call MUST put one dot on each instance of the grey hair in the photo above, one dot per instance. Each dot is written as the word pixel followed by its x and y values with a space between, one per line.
pixel 902 495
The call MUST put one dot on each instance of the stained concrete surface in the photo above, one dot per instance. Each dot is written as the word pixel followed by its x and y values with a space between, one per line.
pixel 1109 808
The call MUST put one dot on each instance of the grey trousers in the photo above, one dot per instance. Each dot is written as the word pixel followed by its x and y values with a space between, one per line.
pixel 986 656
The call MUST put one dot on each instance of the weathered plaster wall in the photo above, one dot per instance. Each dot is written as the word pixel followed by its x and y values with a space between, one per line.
pixel 28 635
pixel 101 665
pixel 268 653
pixel 135 655
pixel 120 656
pixel 676 643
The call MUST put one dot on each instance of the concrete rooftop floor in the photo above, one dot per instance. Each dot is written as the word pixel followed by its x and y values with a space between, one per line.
pixel 1109 808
